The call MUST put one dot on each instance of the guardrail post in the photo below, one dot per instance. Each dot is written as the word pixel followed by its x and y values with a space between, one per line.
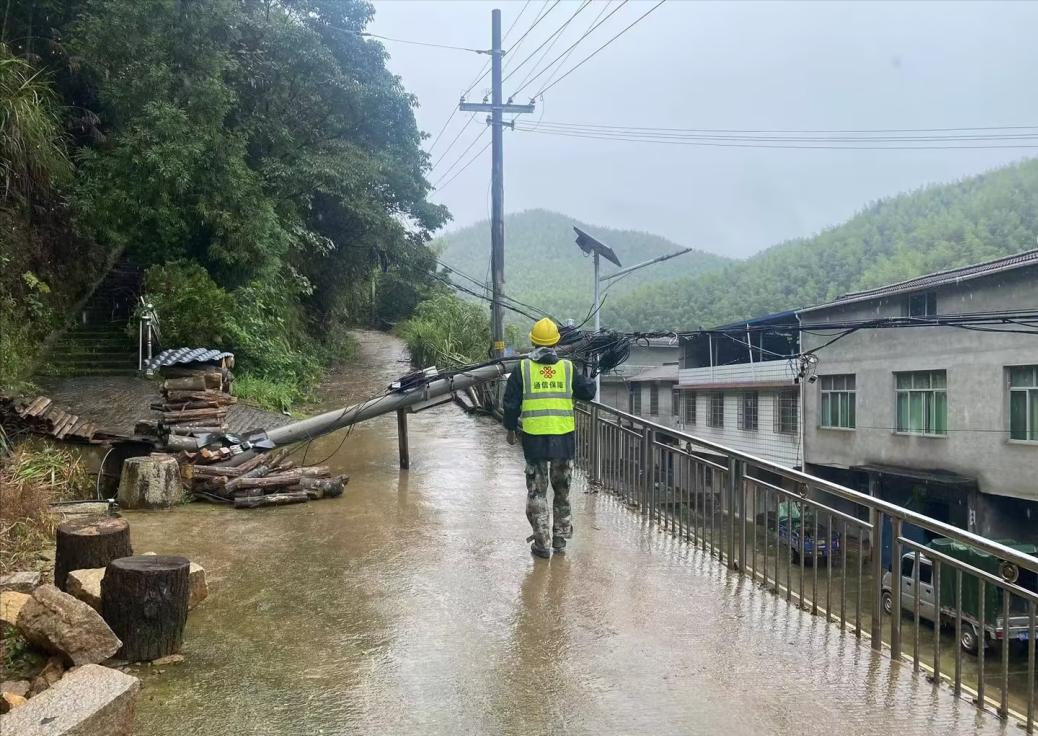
pixel 895 589
pixel 647 470
pixel 877 578
pixel 596 447
pixel 728 506
pixel 736 501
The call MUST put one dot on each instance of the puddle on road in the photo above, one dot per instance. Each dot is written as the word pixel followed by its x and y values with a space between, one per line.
pixel 412 606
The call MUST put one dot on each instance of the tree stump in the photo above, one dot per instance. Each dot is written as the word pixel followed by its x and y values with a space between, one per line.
pixel 144 600
pixel 88 543
pixel 151 481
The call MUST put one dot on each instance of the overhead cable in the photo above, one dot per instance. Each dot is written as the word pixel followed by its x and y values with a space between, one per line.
pixel 551 39
pixel 458 173
pixel 461 156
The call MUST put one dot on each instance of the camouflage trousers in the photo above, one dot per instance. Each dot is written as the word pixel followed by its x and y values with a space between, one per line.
pixel 538 474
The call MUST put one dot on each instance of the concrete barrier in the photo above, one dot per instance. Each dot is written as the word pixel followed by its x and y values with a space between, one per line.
pixel 91 701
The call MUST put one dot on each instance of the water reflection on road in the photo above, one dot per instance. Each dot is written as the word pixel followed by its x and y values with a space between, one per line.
pixel 412 605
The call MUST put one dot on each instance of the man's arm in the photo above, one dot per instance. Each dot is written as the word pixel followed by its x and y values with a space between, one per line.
pixel 513 400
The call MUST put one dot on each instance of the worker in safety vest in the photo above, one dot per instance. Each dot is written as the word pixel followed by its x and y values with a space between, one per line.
pixel 539 406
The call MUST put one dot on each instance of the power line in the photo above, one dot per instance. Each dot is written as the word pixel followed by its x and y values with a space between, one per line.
pixel 806 146
pixel 364 34
pixel 538 19
pixel 461 156
pixel 795 131
pixel 454 140
pixel 571 47
pixel 551 39
pixel 486 64
pixel 592 55
pixel 459 171
pixel 565 58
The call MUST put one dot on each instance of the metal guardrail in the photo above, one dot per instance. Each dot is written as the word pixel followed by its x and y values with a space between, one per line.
pixel 731 504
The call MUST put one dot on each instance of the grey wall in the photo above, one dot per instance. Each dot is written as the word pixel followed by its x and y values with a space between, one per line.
pixel 977 443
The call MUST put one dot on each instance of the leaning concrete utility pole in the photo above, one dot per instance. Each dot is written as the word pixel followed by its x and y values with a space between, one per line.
pixel 497 173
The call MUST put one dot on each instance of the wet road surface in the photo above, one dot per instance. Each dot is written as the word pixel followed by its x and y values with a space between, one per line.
pixel 411 605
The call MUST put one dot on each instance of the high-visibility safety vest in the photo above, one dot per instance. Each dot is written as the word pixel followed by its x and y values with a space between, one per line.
pixel 547 397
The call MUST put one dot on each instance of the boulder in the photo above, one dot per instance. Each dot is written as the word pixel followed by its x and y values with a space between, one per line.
pixel 59 623
pixel 92 701
pixel 10 701
pixel 20 582
pixel 86 586
pixel 11 605
pixel 50 674
pixel 18 687
pixel 150 482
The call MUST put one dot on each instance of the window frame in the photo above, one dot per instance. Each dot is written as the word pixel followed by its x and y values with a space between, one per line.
pixel 689 408
pixel 929 304
pixel 1029 391
pixel 783 400
pixel 654 399
pixel 928 403
pixel 841 388
pixel 675 402
pixel 713 419
pixel 634 398
pixel 749 411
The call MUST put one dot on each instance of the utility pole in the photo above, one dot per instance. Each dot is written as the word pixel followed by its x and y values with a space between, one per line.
pixel 497 172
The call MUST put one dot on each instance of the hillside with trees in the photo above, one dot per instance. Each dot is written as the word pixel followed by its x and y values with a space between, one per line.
pixel 545 268
pixel 259 161
pixel 931 229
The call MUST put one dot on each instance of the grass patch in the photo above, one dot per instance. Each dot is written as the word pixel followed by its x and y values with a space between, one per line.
pixel 32 477
pixel 267 393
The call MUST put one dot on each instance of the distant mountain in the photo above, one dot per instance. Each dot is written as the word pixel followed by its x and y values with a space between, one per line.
pixel 931 229
pixel 545 268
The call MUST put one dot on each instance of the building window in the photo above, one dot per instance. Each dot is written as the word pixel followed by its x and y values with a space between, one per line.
pixel 716 418
pixel 1023 403
pixel 786 413
pixel 922 402
pixel 634 398
pixel 837 405
pixel 748 411
pixel 921 305
pixel 654 399
pixel 675 403
pixel 690 407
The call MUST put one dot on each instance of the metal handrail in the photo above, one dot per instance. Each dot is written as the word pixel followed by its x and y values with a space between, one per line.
pixel 147 332
pixel 849 494
pixel 709 502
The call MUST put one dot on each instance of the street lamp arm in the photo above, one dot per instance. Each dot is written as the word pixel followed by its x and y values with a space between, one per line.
pixel 635 267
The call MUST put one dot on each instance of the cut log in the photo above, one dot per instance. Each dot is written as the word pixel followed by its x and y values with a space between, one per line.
pixel 180 395
pixel 271 499
pixel 192 414
pixel 192 429
pixel 213 471
pixel 257 472
pixel 144 600
pixel 324 487
pixel 150 481
pixel 176 442
pixel 191 383
pixel 87 543
pixel 290 477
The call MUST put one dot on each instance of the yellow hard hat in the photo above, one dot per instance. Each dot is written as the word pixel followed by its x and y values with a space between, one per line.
pixel 544 333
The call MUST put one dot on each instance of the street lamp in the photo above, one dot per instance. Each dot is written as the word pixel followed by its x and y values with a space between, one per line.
pixel 588 244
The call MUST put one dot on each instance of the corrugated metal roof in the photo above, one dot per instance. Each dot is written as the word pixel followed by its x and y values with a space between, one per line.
pixel 940 278
pixel 181 356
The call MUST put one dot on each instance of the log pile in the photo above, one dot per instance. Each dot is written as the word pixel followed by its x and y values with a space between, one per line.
pixel 195 399
pixel 42 416
pixel 265 480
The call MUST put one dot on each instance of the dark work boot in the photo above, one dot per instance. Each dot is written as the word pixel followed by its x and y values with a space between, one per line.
pixel 538 548
pixel 558 544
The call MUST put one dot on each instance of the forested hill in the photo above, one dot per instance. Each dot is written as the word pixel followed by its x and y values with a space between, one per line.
pixel 927 230
pixel 544 267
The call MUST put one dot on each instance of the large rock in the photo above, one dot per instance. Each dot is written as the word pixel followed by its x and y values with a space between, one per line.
pixel 51 673
pixel 91 701
pixel 18 687
pixel 59 623
pixel 20 582
pixel 86 586
pixel 150 482
pixel 11 605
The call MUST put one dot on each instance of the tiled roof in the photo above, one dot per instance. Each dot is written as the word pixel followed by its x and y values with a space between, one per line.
pixel 941 278
pixel 180 356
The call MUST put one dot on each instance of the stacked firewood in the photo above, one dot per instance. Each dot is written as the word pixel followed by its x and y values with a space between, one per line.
pixel 265 480
pixel 43 416
pixel 195 399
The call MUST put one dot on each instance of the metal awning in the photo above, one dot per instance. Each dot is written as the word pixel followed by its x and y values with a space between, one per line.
pixel 945 477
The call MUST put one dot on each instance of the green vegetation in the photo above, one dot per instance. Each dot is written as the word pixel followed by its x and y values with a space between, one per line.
pixel 545 268
pixel 255 155
pixel 446 331
pixel 932 229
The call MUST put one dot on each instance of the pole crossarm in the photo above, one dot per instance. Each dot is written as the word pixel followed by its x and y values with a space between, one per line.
pixel 488 107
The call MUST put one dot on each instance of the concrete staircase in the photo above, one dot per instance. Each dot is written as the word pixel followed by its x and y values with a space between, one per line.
pixel 98 344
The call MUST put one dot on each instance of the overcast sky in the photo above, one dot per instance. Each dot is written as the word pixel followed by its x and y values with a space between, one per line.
pixel 724 65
